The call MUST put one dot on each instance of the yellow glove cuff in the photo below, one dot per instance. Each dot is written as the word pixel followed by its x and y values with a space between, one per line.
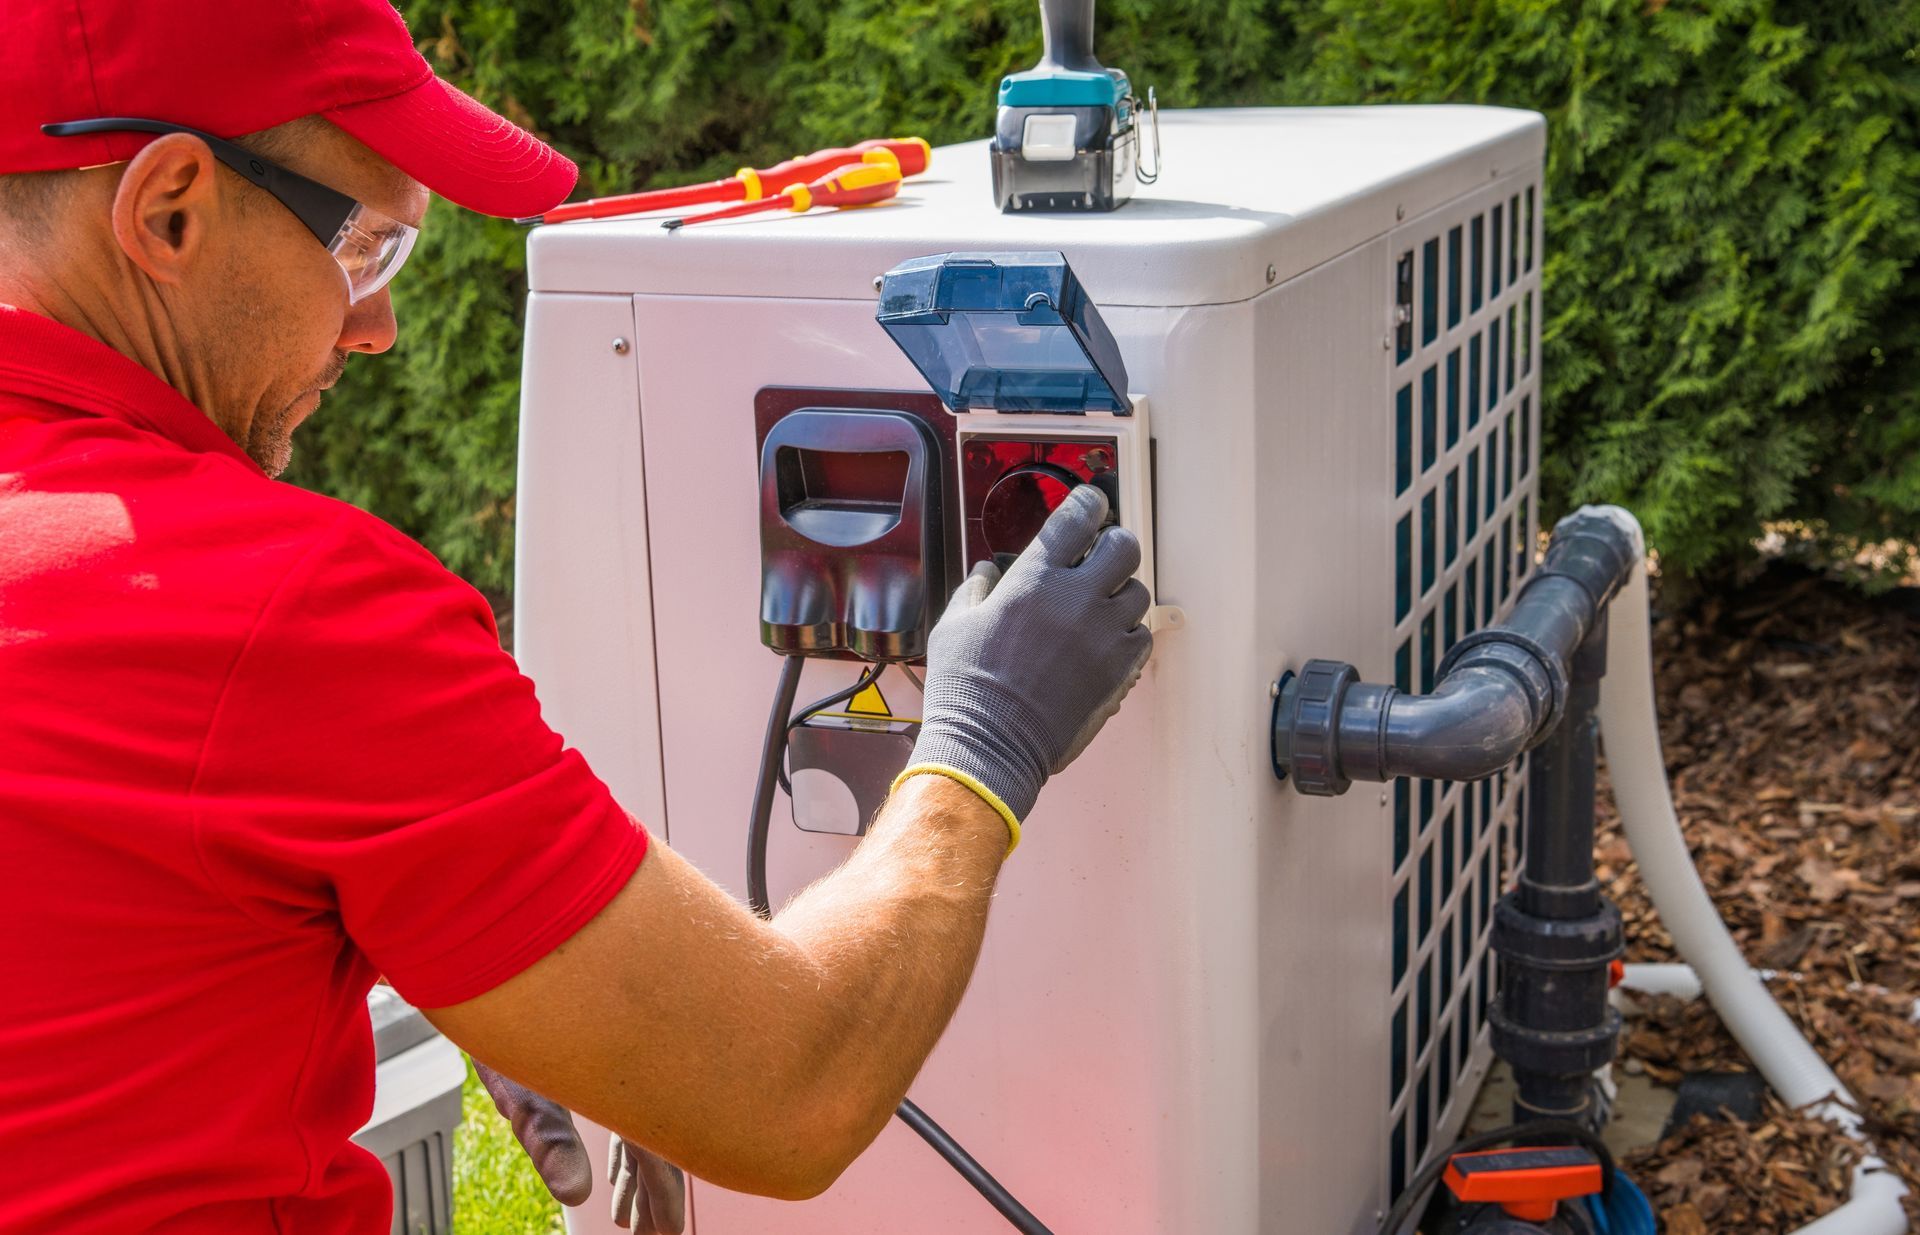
pixel 986 795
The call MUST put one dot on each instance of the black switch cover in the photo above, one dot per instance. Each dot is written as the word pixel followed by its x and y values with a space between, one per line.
pixel 850 533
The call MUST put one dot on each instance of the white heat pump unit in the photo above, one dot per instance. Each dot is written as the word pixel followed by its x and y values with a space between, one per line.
pixel 1206 1003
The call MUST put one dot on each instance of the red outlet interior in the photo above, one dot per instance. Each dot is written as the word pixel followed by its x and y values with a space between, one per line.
pixel 1011 485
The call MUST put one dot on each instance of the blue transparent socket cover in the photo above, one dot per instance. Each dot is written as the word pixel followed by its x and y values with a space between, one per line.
pixel 1009 331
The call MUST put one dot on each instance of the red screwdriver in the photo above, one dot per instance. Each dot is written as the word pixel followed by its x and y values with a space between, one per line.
pixel 859 184
pixel 909 154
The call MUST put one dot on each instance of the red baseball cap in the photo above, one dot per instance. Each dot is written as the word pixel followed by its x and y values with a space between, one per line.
pixel 231 67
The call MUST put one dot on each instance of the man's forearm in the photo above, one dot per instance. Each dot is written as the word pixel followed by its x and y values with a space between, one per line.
pixel 763 1056
pixel 893 934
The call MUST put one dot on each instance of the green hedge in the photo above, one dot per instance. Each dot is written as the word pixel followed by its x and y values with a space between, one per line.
pixel 1733 216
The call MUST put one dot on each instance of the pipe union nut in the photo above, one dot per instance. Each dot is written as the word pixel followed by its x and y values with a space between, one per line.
pixel 1306 723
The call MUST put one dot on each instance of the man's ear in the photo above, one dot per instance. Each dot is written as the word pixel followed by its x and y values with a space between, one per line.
pixel 167 199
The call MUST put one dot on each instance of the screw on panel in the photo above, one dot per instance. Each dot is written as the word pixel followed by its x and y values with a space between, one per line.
pixel 1273 689
pixel 1399 212
pixel 620 346
pixel 1273 272
pixel 877 281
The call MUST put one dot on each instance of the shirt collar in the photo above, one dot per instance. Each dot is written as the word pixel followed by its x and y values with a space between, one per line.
pixel 41 359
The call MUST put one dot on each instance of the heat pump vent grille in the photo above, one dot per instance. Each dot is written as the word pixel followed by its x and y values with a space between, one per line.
pixel 1464 401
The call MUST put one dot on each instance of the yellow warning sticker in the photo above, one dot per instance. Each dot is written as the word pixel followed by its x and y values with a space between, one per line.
pixel 869 702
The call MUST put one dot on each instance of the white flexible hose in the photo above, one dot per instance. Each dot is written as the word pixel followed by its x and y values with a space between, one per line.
pixel 1661 978
pixel 1629 728
pixel 1674 978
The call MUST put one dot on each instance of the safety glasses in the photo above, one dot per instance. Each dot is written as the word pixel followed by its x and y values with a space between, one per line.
pixel 369 246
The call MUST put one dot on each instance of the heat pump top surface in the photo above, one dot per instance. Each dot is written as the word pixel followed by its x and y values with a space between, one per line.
pixel 1244 190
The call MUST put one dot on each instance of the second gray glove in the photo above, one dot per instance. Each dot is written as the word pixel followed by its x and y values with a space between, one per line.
pixel 545 1130
pixel 1022 671
pixel 649 1193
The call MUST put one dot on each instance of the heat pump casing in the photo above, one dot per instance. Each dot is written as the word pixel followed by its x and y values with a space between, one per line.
pixel 1205 1002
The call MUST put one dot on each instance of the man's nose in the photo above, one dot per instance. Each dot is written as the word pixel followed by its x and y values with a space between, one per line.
pixel 370 325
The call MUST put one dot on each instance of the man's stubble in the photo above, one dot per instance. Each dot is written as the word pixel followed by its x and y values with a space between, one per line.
pixel 270 436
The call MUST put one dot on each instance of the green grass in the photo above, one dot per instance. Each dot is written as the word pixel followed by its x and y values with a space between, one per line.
pixel 495 1190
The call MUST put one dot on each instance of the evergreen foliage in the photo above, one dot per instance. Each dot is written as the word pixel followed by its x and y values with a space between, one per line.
pixel 1733 216
pixel 1732 305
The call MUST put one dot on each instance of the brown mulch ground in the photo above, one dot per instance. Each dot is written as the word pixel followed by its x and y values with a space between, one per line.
pixel 1790 715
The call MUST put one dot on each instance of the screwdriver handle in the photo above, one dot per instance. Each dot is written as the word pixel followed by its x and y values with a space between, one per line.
pixel 860 184
pixel 913 153
pixel 750 184
pixel 910 154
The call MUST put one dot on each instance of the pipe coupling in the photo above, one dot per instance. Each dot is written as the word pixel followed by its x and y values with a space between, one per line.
pixel 1594 550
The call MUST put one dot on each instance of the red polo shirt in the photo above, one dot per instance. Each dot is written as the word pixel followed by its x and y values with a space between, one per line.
pixel 256 748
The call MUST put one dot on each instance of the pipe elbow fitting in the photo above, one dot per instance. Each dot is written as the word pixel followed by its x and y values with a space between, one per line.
pixel 1478 721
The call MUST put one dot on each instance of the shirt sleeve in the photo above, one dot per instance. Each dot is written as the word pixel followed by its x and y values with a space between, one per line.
pixel 378 767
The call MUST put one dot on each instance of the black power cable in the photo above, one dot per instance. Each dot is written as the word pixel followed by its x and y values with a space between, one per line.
pixel 960 1160
pixel 1534 1130
pixel 773 759
pixel 805 714
pixel 773 754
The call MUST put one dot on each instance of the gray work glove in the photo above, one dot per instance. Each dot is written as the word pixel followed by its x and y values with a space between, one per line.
pixel 656 1205
pixel 649 1193
pixel 1023 670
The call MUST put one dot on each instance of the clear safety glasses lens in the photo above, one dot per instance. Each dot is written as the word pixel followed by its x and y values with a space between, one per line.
pixel 371 248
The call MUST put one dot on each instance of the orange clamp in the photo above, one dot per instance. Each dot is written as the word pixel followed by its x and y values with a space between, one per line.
pixel 1527 1184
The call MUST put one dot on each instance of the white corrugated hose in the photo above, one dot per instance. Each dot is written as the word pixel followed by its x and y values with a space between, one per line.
pixel 1630 732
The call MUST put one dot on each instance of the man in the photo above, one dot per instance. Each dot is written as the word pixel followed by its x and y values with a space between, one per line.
pixel 257 749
